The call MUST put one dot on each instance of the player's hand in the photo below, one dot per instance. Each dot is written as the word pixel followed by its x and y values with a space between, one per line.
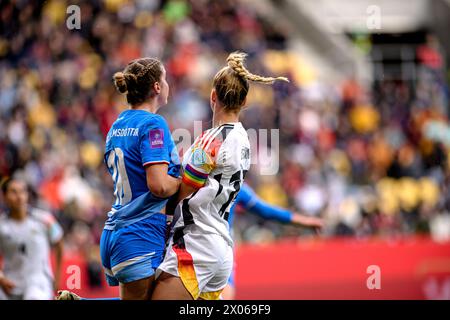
pixel 308 221
pixel 66 295
pixel 7 285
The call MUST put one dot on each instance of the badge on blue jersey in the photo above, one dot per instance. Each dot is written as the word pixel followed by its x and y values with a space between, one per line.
pixel 156 138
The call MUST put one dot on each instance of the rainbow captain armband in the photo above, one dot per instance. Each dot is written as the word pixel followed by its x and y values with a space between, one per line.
pixel 194 177
pixel 200 164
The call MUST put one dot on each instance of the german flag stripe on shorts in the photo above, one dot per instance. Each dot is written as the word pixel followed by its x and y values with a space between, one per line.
pixel 186 270
pixel 187 274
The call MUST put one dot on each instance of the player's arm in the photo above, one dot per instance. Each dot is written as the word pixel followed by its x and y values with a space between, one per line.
pixel 58 248
pixel 184 192
pixel 270 212
pixel 55 235
pixel 255 205
pixel 252 203
pixel 307 221
pixel 159 182
pixel 186 189
pixel 194 176
pixel 155 148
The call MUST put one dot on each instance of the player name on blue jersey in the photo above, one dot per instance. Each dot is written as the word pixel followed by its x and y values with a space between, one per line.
pixel 124 132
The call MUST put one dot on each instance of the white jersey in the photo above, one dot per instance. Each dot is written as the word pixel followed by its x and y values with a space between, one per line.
pixel 216 164
pixel 25 248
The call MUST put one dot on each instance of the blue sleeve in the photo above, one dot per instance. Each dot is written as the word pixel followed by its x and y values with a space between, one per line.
pixel 175 163
pixel 155 141
pixel 250 201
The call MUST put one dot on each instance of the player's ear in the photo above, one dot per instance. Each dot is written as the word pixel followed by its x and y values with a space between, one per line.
pixel 213 95
pixel 213 99
pixel 157 87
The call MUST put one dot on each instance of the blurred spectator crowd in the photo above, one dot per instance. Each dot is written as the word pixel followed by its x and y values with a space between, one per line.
pixel 370 161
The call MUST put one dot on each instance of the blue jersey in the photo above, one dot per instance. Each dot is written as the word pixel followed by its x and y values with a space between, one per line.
pixel 136 139
pixel 251 202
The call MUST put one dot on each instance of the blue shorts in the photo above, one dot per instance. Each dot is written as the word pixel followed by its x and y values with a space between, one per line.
pixel 135 251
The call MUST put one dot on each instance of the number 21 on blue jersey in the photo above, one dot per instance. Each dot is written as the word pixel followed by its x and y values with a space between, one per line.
pixel 116 166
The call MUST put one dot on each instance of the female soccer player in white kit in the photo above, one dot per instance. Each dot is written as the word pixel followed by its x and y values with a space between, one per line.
pixel 27 236
pixel 199 256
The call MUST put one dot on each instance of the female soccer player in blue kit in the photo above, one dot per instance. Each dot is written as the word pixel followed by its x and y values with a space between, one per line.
pixel 142 159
